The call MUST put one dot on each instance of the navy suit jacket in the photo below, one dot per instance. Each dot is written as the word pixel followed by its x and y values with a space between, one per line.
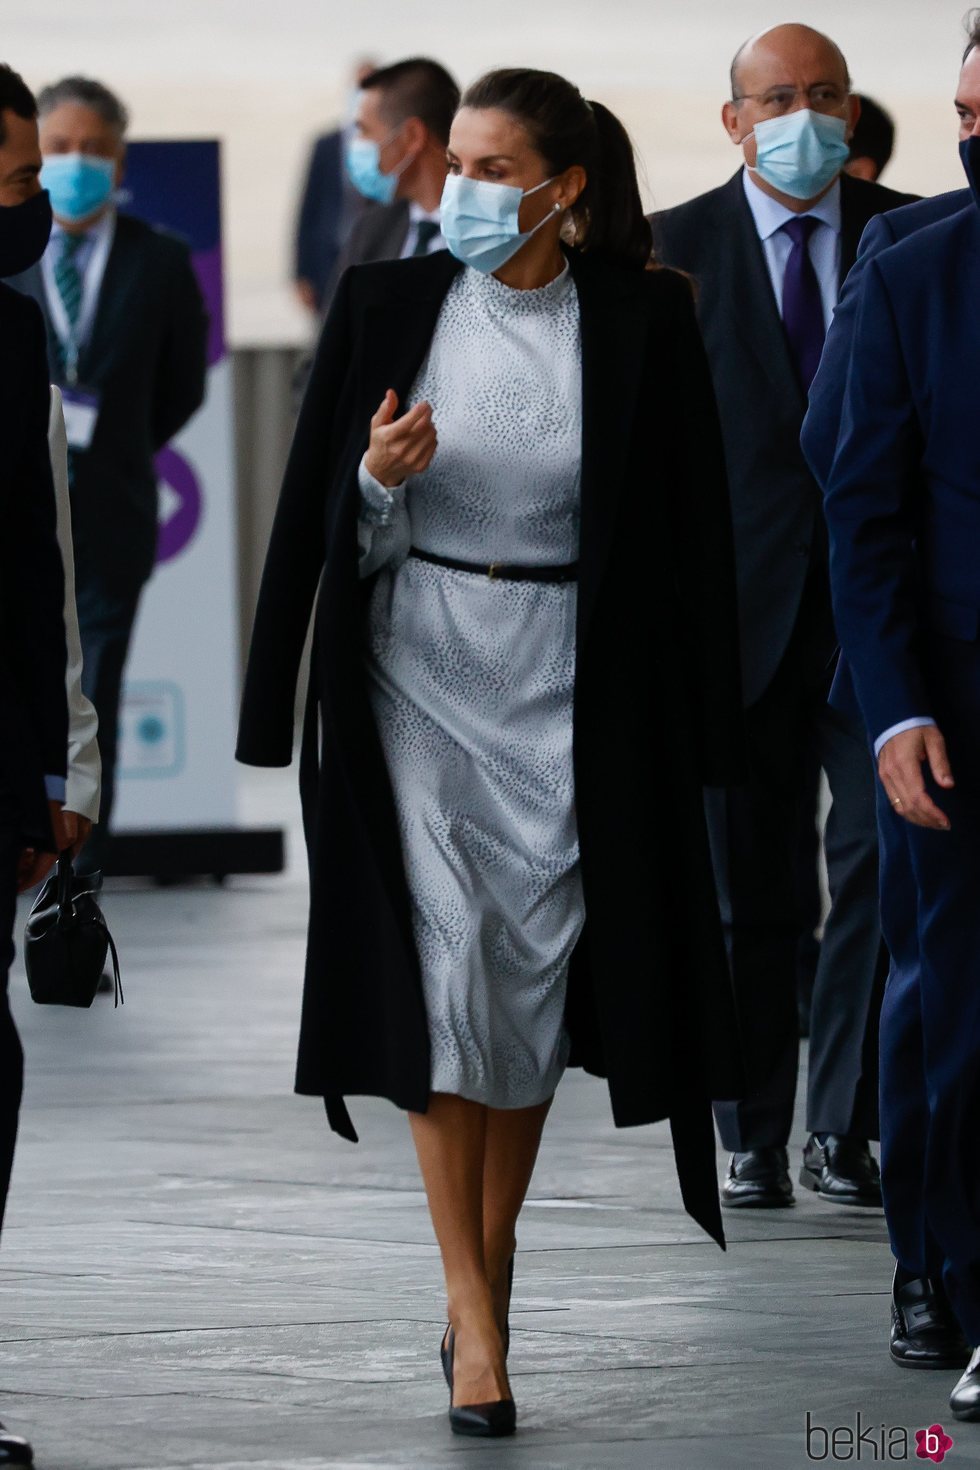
pixel 822 422
pixel 820 427
pixel 329 207
pixel 903 493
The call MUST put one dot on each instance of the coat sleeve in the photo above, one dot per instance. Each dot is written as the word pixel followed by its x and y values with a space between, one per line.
pixel 181 376
pixel 36 576
pixel 822 422
pixel 295 557
pixel 701 535
pixel 84 761
pixel 871 514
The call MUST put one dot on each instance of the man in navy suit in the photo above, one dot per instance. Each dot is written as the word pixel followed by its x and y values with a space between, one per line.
pixel 329 208
pixel 924 1331
pixel 903 508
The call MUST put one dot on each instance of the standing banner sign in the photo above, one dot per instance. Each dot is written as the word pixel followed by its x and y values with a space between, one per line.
pixel 176 808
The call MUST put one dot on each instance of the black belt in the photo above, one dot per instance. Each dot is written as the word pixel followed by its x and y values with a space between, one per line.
pixel 500 571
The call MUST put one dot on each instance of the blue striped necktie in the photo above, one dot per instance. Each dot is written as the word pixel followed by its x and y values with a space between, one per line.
pixel 68 279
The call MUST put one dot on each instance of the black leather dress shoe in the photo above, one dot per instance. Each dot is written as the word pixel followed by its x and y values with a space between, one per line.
pixel 842 1170
pixel 13 1449
pixel 925 1334
pixel 965 1398
pixel 758 1179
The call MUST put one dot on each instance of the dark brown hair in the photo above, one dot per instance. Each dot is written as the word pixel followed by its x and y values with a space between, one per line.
pixel 566 130
pixel 418 88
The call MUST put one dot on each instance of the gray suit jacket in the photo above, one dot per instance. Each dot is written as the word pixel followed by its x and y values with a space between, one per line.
pixel 380 234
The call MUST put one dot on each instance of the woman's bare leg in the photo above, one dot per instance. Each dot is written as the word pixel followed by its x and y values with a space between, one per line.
pixel 450 1140
pixel 513 1136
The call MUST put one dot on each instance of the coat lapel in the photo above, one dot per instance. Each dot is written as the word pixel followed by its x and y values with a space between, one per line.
pixel 748 291
pixel 859 203
pixel 614 328
pixel 31 283
pixel 399 329
pixel 118 296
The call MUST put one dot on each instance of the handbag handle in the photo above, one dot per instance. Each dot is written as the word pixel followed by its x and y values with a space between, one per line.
pixel 66 916
pixel 66 871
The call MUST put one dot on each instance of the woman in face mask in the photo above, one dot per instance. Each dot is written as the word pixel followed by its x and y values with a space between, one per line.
pixel 507 480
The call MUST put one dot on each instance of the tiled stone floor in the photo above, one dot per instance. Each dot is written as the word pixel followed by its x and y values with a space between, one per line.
pixel 196 1273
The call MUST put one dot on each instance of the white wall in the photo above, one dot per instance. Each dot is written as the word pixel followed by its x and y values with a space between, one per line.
pixel 264 75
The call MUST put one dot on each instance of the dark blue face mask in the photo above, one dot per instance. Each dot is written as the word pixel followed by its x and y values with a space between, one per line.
pixel 970 158
pixel 24 232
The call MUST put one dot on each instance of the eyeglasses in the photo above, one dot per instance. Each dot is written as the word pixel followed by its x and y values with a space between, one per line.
pixel 823 97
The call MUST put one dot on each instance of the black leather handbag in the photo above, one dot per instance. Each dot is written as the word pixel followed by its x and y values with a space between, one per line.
pixel 67 940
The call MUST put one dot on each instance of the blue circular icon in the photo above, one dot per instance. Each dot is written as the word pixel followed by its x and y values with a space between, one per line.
pixel 151 730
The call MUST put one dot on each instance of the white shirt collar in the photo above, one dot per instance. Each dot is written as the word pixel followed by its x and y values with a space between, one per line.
pixel 416 213
pixel 769 215
pixel 103 226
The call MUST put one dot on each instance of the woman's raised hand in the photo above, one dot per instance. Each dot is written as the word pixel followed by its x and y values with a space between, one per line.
pixel 400 447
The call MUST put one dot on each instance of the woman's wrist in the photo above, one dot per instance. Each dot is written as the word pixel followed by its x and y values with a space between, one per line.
pixel 378 475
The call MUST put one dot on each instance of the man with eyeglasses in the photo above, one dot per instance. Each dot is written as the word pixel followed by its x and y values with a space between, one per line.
pixel 768 252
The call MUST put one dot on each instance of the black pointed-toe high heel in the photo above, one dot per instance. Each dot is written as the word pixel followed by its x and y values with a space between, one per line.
pixel 444 1346
pixel 482 1421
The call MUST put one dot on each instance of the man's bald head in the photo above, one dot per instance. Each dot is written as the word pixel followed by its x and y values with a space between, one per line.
pixel 787 46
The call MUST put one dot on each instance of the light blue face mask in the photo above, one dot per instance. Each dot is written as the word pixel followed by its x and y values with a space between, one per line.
pixel 79 185
pixel 480 220
pixel 801 153
pixel 363 161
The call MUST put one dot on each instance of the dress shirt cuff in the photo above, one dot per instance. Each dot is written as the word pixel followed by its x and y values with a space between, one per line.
pixel 378 502
pixel 55 788
pixel 916 723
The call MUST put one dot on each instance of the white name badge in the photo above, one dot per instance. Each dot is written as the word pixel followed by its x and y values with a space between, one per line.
pixel 81 416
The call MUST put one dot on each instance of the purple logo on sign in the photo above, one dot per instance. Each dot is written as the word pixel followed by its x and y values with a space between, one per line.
pixel 180 498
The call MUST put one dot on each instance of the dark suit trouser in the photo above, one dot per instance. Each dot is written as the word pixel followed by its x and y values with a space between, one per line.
pixel 930 1019
pixel 11 1055
pixel 755 840
pixel 106 616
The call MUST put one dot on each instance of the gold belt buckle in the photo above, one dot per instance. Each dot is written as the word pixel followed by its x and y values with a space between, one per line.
pixel 492 570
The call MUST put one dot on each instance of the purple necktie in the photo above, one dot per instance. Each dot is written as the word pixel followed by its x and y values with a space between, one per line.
pixel 802 302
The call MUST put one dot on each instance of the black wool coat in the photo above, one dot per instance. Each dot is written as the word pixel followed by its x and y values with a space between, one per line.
pixel 656 711
pixel 33 656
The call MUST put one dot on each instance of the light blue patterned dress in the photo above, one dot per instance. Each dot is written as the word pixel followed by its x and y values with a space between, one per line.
pixel 471 682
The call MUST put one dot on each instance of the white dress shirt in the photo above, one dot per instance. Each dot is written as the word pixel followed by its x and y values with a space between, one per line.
pixel 415 216
pixel 770 216
pixel 91 259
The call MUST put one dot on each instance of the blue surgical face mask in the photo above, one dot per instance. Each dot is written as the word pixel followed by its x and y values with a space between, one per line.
pixel 480 220
pixel 970 158
pixel 801 153
pixel 363 160
pixel 79 185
